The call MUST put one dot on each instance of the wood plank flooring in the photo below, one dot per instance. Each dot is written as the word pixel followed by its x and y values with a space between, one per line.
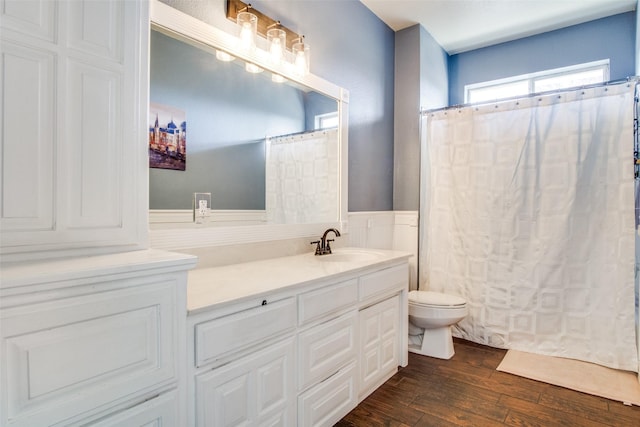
pixel 468 391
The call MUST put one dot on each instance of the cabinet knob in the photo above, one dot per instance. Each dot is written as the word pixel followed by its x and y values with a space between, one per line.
pixel 264 302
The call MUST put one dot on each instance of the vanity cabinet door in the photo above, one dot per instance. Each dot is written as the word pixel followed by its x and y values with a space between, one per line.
pixel 73 358
pixel 257 389
pixel 379 343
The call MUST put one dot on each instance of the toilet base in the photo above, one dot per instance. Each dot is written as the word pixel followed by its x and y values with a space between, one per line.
pixel 436 342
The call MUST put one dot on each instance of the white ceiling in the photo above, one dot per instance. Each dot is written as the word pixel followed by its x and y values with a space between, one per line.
pixel 461 25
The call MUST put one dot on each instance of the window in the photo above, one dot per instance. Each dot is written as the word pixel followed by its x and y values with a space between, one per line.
pixel 326 121
pixel 559 78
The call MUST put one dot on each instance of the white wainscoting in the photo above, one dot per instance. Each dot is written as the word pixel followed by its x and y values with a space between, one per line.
pixel 396 230
pixel 183 218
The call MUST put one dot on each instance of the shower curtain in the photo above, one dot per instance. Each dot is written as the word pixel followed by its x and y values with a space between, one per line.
pixel 302 178
pixel 527 213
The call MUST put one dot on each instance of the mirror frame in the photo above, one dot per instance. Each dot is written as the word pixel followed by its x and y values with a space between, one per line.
pixel 191 30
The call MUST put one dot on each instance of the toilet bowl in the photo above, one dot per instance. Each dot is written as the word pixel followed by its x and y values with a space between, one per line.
pixel 431 315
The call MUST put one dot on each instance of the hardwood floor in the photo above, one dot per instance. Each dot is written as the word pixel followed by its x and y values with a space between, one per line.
pixel 468 391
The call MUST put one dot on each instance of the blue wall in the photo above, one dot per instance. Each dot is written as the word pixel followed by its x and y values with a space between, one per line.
pixel 354 49
pixel 421 82
pixel 612 37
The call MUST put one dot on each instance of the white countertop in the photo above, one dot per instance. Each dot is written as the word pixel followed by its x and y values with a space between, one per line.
pixel 210 287
pixel 16 275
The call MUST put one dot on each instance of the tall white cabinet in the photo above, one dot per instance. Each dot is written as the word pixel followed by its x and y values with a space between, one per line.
pixel 92 324
pixel 73 174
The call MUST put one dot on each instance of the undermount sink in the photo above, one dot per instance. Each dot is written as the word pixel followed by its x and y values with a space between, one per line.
pixel 348 255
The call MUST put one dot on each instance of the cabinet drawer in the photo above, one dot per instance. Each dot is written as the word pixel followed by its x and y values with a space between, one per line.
pixel 219 337
pixel 75 355
pixel 323 349
pixel 315 304
pixel 384 281
pixel 329 401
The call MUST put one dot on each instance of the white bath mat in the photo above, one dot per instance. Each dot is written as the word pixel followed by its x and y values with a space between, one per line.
pixel 585 377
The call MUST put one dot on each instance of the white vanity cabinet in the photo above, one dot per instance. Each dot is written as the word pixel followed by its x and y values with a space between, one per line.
pixel 74 84
pixel 98 339
pixel 298 352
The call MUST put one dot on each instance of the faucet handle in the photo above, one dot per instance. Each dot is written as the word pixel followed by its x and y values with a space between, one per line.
pixel 327 247
pixel 317 243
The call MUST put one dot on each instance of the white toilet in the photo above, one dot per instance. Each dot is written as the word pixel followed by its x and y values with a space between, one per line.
pixel 431 315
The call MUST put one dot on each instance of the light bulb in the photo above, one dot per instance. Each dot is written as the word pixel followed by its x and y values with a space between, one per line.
pixel 276 50
pixel 277 40
pixel 246 36
pixel 301 58
pixel 248 23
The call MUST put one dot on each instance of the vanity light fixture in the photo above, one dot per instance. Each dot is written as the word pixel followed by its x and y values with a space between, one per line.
pixel 248 23
pixel 278 37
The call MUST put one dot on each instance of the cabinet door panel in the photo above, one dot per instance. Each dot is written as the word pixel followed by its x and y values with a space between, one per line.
pixel 31 18
pixel 76 355
pixel 255 390
pixel 97 30
pixel 94 148
pixel 27 139
pixel 380 341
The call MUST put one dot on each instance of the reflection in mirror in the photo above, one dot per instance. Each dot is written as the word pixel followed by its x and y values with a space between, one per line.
pixel 235 122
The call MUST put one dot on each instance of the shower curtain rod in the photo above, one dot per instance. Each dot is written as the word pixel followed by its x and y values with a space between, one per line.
pixel 631 79
pixel 304 132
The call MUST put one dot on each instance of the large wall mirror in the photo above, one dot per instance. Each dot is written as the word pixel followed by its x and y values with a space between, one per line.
pixel 269 150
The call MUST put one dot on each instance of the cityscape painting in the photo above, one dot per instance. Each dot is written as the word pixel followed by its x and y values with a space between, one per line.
pixel 167 137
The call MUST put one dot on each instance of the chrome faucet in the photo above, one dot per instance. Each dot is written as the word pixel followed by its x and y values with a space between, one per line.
pixel 322 245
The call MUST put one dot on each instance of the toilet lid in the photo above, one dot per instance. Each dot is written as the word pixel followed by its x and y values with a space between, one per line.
pixel 431 298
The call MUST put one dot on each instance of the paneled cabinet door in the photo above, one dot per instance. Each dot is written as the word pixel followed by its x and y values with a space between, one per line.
pixel 379 338
pixel 255 390
pixel 72 358
pixel 73 137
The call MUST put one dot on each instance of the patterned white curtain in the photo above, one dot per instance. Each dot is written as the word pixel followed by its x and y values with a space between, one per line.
pixel 528 214
pixel 302 178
